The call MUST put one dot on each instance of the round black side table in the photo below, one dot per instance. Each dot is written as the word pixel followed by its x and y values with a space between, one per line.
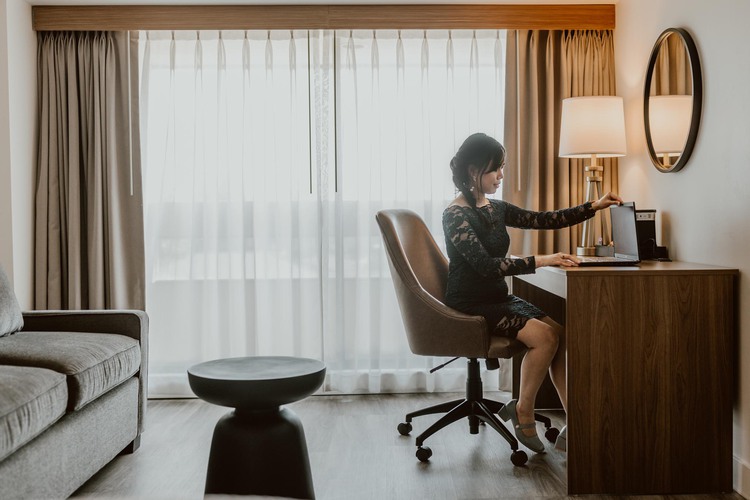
pixel 259 448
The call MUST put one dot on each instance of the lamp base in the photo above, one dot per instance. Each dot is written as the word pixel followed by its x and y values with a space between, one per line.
pixel 598 251
pixel 605 251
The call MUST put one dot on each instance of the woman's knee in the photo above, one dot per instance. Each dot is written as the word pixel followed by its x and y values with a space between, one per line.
pixel 551 337
pixel 540 334
pixel 557 327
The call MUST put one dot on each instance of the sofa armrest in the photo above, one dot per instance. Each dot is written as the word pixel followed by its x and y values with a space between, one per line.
pixel 130 323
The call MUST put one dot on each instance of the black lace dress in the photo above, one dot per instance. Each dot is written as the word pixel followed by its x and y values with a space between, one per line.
pixel 477 242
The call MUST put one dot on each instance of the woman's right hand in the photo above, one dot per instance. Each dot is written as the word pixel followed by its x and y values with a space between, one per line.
pixel 556 259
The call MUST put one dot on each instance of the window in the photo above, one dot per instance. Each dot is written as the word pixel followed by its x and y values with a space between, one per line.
pixel 266 155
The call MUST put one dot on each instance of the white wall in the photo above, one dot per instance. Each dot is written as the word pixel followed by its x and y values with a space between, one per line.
pixel 18 109
pixel 704 207
pixel 6 228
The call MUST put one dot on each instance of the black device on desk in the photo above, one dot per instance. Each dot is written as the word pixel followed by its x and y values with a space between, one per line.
pixel 624 237
pixel 645 225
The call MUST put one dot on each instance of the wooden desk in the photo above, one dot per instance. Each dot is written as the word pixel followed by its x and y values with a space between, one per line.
pixel 650 374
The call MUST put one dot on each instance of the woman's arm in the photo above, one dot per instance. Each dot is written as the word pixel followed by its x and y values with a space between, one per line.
pixel 556 219
pixel 462 236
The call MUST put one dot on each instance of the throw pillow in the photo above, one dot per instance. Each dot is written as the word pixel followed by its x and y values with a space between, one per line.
pixel 11 319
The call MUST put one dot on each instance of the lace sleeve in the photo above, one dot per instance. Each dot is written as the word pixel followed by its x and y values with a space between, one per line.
pixel 461 235
pixel 555 219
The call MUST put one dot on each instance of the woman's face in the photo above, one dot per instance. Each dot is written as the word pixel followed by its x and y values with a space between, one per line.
pixel 490 181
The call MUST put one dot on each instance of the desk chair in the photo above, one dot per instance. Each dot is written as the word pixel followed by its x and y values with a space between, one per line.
pixel 419 271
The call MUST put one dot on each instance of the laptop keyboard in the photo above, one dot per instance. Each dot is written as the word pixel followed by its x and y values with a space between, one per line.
pixel 600 259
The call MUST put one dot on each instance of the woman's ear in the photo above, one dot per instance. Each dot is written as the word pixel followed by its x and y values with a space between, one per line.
pixel 473 172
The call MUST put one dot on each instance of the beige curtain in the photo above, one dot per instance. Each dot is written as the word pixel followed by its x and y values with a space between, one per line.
pixel 543 68
pixel 672 73
pixel 89 223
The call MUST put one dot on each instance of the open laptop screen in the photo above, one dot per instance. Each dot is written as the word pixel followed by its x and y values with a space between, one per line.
pixel 623 230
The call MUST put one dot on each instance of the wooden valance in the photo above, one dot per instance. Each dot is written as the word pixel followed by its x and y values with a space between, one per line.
pixel 253 17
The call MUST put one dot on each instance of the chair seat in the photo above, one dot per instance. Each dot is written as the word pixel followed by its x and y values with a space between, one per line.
pixel 503 347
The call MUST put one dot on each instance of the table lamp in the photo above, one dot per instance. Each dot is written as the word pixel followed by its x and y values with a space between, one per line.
pixel 592 126
pixel 669 122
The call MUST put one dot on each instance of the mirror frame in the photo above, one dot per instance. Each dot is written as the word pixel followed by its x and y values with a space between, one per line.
pixel 697 82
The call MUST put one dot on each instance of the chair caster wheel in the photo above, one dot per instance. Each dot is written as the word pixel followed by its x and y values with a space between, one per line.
pixel 404 429
pixel 424 453
pixel 518 458
pixel 551 434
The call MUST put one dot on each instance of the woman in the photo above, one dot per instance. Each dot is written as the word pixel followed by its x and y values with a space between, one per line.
pixel 477 242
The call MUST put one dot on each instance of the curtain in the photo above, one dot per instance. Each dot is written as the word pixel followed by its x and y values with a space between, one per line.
pixel 543 68
pixel 672 72
pixel 405 102
pixel 266 156
pixel 89 224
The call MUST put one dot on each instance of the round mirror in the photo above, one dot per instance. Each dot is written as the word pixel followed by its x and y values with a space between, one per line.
pixel 672 100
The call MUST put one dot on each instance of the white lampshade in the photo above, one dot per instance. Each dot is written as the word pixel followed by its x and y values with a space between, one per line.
pixel 593 125
pixel 669 119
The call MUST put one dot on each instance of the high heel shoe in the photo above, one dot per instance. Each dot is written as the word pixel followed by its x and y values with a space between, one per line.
pixel 561 443
pixel 508 412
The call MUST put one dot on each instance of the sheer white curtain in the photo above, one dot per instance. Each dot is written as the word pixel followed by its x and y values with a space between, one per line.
pixel 266 156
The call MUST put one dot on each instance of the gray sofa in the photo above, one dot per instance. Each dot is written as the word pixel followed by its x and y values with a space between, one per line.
pixel 72 395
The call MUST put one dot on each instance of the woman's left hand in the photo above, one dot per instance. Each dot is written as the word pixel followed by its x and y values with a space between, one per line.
pixel 606 201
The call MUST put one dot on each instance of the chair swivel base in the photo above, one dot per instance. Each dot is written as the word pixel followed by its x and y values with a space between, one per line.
pixel 477 409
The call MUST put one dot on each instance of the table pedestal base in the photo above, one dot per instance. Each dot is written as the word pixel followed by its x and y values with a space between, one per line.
pixel 259 453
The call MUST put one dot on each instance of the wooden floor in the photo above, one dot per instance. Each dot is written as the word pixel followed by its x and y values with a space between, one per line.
pixel 355 453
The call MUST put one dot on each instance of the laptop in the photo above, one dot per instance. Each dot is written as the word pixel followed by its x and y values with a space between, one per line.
pixel 624 238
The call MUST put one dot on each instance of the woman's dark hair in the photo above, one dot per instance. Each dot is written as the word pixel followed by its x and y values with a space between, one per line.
pixel 483 153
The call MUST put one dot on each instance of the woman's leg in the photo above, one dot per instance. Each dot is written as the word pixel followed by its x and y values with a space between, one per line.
pixel 558 369
pixel 542 340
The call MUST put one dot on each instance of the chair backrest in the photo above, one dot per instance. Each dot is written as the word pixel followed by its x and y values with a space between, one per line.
pixel 411 247
pixel 419 271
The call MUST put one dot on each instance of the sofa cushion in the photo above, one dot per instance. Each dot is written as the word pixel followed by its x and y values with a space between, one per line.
pixel 31 399
pixel 11 319
pixel 93 362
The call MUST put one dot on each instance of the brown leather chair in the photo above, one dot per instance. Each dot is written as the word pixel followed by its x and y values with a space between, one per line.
pixel 419 271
